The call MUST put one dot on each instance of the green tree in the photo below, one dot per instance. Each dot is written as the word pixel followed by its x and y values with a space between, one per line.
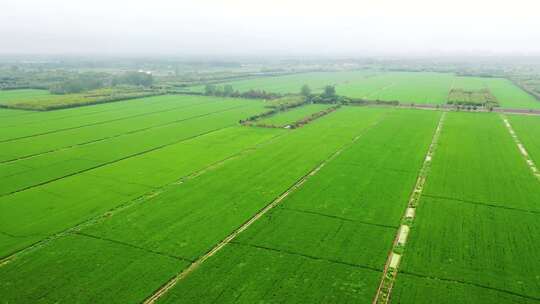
pixel 135 78
pixel 210 89
pixel 306 90
pixel 228 90
pixel 329 91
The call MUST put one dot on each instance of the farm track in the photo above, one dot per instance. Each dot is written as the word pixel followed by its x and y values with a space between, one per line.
pixel 97 123
pixel 311 257
pixel 192 267
pixel 523 151
pixel 391 267
pixel 132 202
pixel 116 136
pixel 472 284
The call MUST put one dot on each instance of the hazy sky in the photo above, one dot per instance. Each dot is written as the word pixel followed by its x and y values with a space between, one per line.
pixel 281 27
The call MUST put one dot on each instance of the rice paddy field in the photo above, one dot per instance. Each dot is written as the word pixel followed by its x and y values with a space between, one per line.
pixel 406 87
pixel 169 199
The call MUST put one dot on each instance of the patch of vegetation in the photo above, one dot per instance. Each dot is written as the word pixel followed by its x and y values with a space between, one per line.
pixel 295 117
pixel 44 101
pixel 475 98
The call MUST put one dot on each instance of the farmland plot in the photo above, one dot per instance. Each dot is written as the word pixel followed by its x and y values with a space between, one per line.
pixel 345 220
pixel 31 215
pixel 50 142
pixel 11 113
pixel 527 129
pixel 65 162
pixel 68 117
pixel 405 87
pixel 482 165
pixel 34 124
pixel 175 223
pixel 13 96
pixel 30 99
pixel 477 229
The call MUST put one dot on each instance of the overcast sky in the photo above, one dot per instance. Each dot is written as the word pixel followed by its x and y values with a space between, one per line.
pixel 264 27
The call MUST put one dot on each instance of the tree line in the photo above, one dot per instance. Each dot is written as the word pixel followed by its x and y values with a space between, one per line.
pixel 91 81
pixel 228 91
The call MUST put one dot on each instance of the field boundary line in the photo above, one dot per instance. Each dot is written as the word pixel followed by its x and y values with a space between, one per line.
pixel 298 184
pixel 97 123
pixel 116 136
pixel 343 219
pixel 307 256
pixel 131 246
pixel 418 275
pixel 130 203
pixel 523 151
pixel 393 261
pixel 477 203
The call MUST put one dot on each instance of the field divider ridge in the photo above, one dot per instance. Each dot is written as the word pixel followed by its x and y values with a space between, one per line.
pixel 130 203
pixel 227 240
pixel 393 261
pixel 521 147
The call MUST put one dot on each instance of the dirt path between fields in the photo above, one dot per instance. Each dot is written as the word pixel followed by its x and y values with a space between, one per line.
pixel 400 240
pixel 172 282
pixel 521 147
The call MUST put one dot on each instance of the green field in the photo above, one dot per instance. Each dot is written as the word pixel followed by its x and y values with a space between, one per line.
pixel 339 217
pixel 405 87
pixel 477 229
pixel 528 128
pixel 107 203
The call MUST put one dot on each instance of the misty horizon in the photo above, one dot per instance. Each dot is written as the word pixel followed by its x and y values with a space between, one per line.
pixel 265 28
